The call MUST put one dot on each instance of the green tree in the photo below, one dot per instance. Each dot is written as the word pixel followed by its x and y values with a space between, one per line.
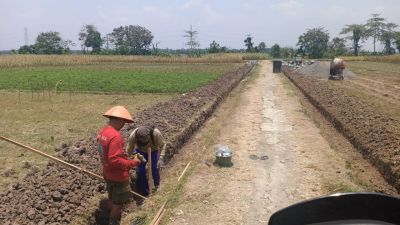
pixel 314 42
pixel 262 47
pixel 27 49
pixel 276 51
pixel 131 40
pixel 249 44
pixel 287 52
pixel 338 46
pixel 397 41
pixel 358 33
pixel 375 27
pixel 90 38
pixel 388 37
pixel 214 47
pixel 51 43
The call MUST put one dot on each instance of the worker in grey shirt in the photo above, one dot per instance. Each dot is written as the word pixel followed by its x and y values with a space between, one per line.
pixel 139 141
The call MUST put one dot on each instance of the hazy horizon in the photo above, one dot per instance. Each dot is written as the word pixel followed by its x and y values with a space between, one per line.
pixel 226 22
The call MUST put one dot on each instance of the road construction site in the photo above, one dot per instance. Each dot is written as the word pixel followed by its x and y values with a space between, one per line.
pixel 293 137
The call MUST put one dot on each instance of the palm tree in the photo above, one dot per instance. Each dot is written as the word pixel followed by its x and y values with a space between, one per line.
pixel 375 26
pixel 358 33
pixel 388 37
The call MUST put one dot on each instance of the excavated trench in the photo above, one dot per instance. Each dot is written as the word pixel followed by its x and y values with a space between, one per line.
pixel 56 194
pixel 375 134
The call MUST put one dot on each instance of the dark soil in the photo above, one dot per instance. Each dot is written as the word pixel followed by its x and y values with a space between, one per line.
pixel 374 133
pixel 56 194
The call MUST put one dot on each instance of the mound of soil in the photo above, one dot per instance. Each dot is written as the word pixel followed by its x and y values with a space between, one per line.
pixel 375 134
pixel 320 70
pixel 56 194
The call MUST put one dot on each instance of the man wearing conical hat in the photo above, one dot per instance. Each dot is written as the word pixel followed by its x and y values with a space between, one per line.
pixel 116 164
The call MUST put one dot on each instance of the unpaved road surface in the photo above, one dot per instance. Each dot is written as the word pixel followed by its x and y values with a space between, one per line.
pixel 280 157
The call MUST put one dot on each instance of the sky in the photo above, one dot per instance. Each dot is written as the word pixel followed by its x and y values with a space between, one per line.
pixel 228 22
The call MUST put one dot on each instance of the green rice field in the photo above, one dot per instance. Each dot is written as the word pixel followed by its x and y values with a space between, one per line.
pixel 114 77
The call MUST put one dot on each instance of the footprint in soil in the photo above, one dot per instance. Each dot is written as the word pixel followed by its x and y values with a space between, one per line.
pixel 255 157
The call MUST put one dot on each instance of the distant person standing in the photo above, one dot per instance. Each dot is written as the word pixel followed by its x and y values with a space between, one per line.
pixel 140 140
pixel 116 164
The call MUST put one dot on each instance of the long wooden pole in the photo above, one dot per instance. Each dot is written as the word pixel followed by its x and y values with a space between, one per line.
pixel 150 170
pixel 61 161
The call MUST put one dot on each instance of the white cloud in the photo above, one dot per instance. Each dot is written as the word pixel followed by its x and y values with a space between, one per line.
pixel 289 8
pixel 191 4
pixel 211 15
pixel 156 12
pixel 112 17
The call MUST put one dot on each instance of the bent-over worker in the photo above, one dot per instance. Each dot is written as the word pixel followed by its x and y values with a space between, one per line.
pixel 116 164
pixel 139 141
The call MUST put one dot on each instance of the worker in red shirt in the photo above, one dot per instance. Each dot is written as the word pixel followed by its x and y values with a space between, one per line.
pixel 116 164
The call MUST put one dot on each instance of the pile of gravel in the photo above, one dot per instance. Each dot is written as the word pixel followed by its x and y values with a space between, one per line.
pixel 320 70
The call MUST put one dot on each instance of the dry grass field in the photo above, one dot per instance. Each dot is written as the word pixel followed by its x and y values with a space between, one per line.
pixel 46 124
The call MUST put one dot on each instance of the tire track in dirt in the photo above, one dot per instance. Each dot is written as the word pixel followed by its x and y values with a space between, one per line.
pixel 384 85
pixel 379 92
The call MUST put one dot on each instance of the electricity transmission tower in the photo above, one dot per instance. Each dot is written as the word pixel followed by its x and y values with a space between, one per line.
pixel 191 36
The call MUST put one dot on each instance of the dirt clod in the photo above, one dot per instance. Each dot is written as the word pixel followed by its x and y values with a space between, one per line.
pixel 9 172
pixel 57 196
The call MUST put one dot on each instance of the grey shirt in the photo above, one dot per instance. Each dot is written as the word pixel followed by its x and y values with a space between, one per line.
pixel 157 145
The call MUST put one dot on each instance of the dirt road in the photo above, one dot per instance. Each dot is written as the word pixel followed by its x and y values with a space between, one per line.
pixel 280 157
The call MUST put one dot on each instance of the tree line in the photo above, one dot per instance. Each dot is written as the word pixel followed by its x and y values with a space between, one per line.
pixel 316 43
pixel 138 40
pixel 125 40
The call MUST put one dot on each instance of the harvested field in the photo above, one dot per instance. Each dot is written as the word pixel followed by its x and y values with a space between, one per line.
pixel 63 193
pixel 377 84
pixel 375 133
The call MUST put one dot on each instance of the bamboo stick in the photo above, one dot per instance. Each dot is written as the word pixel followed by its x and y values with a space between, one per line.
pixel 159 218
pixel 61 161
pixel 158 213
pixel 184 171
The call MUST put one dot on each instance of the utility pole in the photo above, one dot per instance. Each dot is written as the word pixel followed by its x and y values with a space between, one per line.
pixel 26 36
pixel 107 39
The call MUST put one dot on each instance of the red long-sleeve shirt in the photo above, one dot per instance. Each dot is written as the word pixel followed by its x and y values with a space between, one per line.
pixel 115 162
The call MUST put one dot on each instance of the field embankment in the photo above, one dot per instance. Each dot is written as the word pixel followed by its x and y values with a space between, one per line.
pixel 374 132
